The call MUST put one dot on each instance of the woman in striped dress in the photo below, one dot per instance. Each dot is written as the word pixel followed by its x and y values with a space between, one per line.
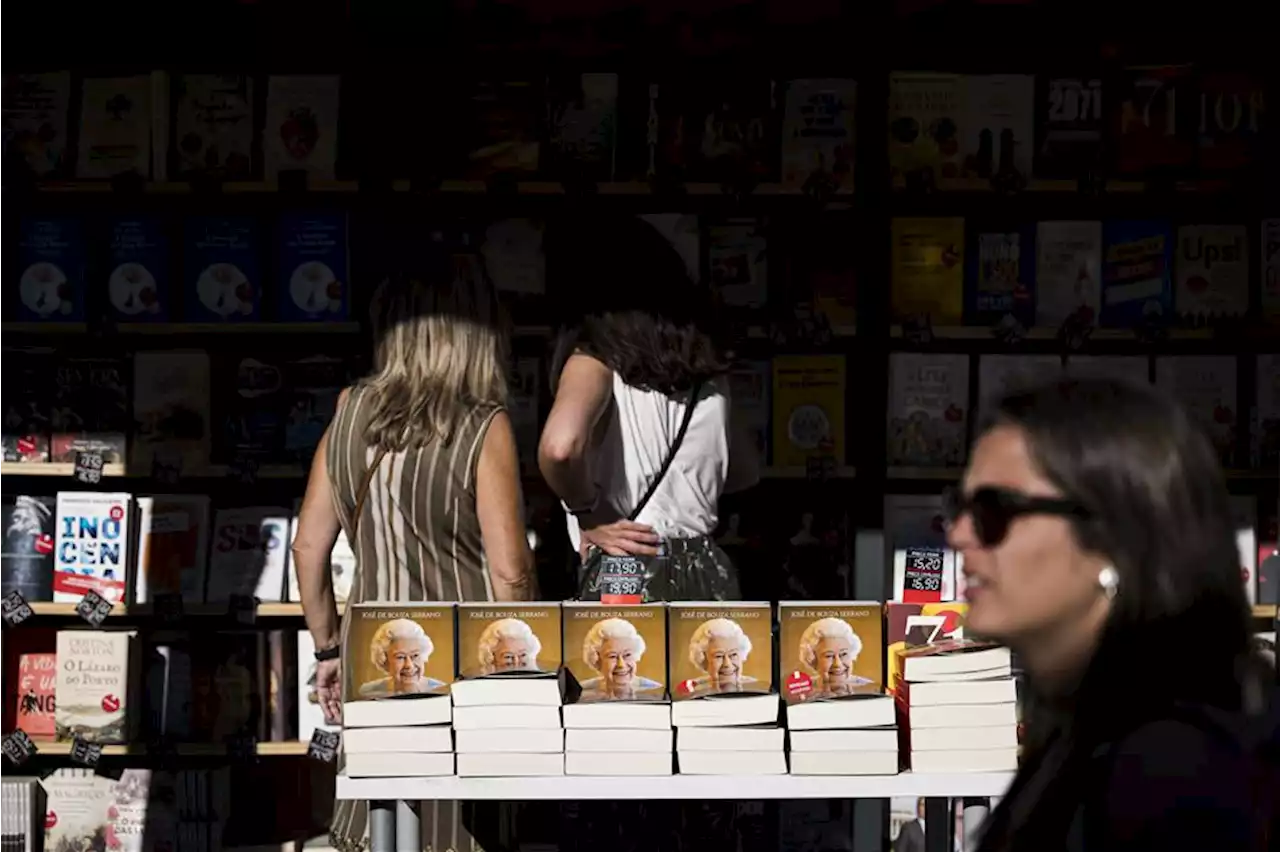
pixel 428 440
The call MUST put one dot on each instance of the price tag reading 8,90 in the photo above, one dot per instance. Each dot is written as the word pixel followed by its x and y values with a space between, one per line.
pixel 922 580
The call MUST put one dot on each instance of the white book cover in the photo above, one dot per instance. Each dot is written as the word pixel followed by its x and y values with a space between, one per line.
pixel 738 261
pixel 998 125
pixel 1206 386
pixel 310 716
pixel 93 687
pixel 682 231
pixel 300 130
pixel 1266 415
pixel 115 127
pixel 250 553
pixel 91 545
pixel 1270 275
pixel 818 132
pixel 35 119
pixel 1212 269
pixel 1068 270
pixel 342 562
pixel 513 256
pixel 999 375
pixel 173 546
pixel 213 125
pixel 928 409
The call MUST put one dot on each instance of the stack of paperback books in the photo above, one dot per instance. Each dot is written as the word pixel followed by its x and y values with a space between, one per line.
pixel 839 719
pixel 724 706
pixel 619 722
pixel 397 675
pixel 509 690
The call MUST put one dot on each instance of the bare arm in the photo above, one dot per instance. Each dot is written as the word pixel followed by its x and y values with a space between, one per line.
pixel 500 510
pixel 582 397
pixel 318 527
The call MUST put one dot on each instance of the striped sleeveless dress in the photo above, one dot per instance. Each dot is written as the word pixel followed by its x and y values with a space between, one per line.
pixel 418 540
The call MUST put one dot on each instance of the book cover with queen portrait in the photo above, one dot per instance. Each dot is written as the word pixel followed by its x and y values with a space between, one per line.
pixel 617 653
pixel 719 649
pixel 396 650
pixel 829 649
pixel 508 639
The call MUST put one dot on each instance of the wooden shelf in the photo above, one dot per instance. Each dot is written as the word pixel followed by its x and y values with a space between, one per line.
pixel 265 749
pixel 264 610
pixel 1267 611
pixel 66 469
pixel 1072 187
pixel 843 472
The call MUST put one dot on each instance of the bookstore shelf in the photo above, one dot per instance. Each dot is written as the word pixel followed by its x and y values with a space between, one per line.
pixel 263 610
pixel 697 787
pixel 264 749
pixel 983 332
pixel 67 469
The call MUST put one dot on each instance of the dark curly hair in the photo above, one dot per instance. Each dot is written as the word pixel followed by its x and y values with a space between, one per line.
pixel 629 302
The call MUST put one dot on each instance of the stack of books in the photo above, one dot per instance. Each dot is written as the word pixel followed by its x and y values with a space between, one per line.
pixel 724 706
pixel 957 705
pixel 840 720
pixel 619 721
pixel 395 709
pixel 510 688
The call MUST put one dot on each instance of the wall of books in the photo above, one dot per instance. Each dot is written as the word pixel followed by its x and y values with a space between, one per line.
pixel 895 231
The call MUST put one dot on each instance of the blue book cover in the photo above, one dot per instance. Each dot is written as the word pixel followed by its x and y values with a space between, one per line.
pixel 51 270
pixel 312 275
pixel 1137 259
pixel 221 274
pixel 138 276
pixel 1000 275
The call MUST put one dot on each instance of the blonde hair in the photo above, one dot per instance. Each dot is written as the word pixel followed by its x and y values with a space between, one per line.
pixel 826 628
pixel 716 628
pixel 506 628
pixel 439 353
pixel 393 631
pixel 610 628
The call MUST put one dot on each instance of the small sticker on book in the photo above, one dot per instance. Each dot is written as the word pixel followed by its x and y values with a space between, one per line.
pixel 798 684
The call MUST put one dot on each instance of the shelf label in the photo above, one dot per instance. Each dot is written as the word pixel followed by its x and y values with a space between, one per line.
pixel 88 468
pixel 324 745
pixel 243 609
pixel 18 747
pixel 16 609
pixel 85 753
pixel 93 608
pixel 922 580
pixel 169 608
pixel 242 748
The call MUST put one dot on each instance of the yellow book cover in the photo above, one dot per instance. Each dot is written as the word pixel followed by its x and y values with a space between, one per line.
pixel 928 269
pixel 808 408
pixel 719 648
pixel 617 653
pixel 827 649
pixel 398 649
pixel 508 637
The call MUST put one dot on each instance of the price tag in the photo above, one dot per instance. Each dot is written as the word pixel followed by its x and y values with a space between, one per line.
pixel 166 470
pixel 820 467
pixel 88 468
pixel 1008 330
pixel 324 745
pixel 18 747
pixel 169 607
pixel 16 609
pixel 922 579
pixel 85 753
pixel 621 580
pixel 93 608
pixel 918 329
pixel 243 609
pixel 1075 332
pixel 244 469
pixel 242 748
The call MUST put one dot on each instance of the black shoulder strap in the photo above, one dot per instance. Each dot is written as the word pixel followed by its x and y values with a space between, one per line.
pixel 671 453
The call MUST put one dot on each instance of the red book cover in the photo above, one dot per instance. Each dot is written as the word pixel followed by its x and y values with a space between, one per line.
pixel 35 694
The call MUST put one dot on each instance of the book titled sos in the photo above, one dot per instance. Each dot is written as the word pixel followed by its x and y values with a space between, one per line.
pixel 91 549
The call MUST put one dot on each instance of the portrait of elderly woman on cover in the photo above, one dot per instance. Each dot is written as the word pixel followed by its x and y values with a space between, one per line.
pixel 828 649
pixel 719 647
pixel 613 647
pixel 400 649
pixel 508 645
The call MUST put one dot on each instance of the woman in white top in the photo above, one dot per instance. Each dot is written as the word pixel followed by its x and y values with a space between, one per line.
pixel 626 364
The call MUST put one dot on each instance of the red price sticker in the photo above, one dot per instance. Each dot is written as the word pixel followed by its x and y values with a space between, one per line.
pixel 117 512
pixel 44 544
pixel 110 703
pixel 26 445
pixel 687 687
pixel 798 684
pixel 50 820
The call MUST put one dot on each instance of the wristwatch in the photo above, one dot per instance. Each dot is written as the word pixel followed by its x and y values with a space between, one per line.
pixel 328 654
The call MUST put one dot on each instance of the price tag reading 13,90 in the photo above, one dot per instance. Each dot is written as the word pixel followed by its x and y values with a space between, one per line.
pixel 922 579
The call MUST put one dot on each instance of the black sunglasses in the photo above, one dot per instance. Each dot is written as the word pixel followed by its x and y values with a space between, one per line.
pixel 993 509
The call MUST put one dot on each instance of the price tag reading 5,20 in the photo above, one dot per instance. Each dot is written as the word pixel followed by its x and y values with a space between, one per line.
pixel 922 580
pixel 622 580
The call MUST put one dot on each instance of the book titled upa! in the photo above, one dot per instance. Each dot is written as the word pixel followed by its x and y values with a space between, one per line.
pixel 92 547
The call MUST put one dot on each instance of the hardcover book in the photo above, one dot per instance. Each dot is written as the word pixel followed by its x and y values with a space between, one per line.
pixel 93 687
pixel 398 650
pixel 92 546
pixel 617 653
pixel 508 638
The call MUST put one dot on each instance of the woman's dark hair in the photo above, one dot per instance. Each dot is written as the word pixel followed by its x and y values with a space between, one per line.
pixel 629 301
pixel 1179 629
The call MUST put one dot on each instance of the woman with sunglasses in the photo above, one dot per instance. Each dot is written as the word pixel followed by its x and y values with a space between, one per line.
pixel 1099 545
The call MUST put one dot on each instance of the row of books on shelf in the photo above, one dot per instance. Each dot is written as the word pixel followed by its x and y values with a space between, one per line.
pixel 1117 273
pixel 1178 120
pixel 644 689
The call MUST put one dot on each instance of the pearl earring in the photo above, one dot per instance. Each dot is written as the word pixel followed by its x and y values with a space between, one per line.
pixel 1109 580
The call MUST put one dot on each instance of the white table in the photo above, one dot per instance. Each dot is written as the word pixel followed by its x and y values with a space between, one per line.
pixel 394 809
